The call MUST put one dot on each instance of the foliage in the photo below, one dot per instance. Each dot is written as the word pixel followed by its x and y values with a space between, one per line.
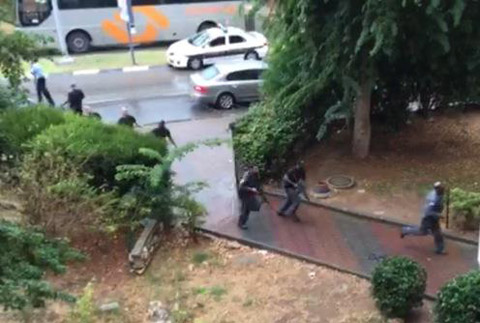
pixel 398 286
pixel 152 193
pixel 11 98
pixel 26 255
pixel 84 310
pixel 17 48
pixel 265 140
pixel 466 205
pixel 7 11
pixel 96 147
pixel 57 195
pixel 18 126
pixel 459 300
pixel 327 55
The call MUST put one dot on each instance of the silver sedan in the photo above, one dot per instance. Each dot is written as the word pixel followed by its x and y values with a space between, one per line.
pixel 224 85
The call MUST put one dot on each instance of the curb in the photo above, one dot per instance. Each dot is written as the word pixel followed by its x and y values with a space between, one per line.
pixel 353 213
pixel 286 253
pixel 126 69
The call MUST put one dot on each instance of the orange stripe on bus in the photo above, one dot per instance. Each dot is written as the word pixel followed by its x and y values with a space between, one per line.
pixel 193 11
pixel 116 28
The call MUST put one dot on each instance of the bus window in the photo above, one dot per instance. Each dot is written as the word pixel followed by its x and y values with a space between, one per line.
pixel 145 2
pixel 83 4
pixel 33 12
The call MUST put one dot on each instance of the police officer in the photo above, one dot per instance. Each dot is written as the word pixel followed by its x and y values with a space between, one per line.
pixel 431 218
pixel 249 194
pixel 88 112
pixel 127 119
pixel 75 99
pixel 41 83
pixel 294 185
pixel 161 131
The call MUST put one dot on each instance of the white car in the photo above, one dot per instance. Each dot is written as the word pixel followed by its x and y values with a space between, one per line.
pixel 216 45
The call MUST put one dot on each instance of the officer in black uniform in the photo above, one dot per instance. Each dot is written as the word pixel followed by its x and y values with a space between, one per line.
pixel 249 193
pixel 161 131
pixel 294 185
pixel 127 119
pixel 75 99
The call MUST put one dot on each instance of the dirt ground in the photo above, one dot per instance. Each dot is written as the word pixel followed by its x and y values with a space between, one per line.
pixel 394 179
pixel 216 281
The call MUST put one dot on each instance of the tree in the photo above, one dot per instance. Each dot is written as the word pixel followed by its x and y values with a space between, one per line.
pixel 16 48
pixel 347 59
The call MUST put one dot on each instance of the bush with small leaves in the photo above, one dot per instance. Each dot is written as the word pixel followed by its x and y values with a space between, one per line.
pixel 398 286
pixel 26 256
pixel 459 300
pixel 18 126
pixel 98 148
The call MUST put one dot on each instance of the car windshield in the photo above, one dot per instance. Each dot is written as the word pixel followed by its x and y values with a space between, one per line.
pixel 210 73
pixel 199 39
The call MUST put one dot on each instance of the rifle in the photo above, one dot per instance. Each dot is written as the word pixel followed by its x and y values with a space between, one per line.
pixel 302 190
pixel 264 199
pixel 448 208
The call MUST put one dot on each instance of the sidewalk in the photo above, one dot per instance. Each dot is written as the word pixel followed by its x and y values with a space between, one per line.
pixel 349 243
pixel 335 239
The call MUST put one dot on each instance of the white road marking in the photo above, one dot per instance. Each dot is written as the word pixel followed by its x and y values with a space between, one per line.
pixel 136 68
pixel 86 72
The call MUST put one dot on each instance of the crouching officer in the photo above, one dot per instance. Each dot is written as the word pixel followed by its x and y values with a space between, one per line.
pixel 249 194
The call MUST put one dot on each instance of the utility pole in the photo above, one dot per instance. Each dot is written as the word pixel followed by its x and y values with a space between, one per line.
pixel 126 14
pixel 60 35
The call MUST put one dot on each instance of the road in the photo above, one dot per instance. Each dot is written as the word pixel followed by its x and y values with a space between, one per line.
pixel 160 93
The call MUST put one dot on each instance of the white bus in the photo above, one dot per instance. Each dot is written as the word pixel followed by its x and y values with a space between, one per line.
pixel 87 23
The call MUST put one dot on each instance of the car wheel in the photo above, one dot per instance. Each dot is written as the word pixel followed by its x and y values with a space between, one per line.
pixel 195 63
pixel 206 25
pixel 225 101
pixel 78 42
pixel 252 55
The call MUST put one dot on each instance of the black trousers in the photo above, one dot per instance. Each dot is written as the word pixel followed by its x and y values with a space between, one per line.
pixel 244 213
pixel 429 225
pixel 43 91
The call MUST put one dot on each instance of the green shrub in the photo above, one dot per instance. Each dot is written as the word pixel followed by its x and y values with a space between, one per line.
pixel 17 126
pixel 97 147
pixel 263 137
pixel 11 98
pixel 152 193
pixel 459 300
pixel 466 207
pixel 398 286
pixel 57 195
pixel 26 256
pixel 84 309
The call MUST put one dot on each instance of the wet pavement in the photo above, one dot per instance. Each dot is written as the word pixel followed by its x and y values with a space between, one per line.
pixel 336 239
pixel 118 86
pixel 348 242
pixel 213 166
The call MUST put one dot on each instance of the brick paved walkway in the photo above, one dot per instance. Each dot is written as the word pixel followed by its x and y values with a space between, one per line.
pixel 348 242
pixel 340 240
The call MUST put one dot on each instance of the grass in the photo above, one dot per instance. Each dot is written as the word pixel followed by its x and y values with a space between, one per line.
pixel 6 27
pixel 200 257
pixel 216 292
pixel 106 60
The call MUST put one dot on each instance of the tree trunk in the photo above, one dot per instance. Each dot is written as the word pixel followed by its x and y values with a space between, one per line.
pixel 362 127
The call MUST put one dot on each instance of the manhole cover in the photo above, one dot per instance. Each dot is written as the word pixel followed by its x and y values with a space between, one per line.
pixel 340 181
